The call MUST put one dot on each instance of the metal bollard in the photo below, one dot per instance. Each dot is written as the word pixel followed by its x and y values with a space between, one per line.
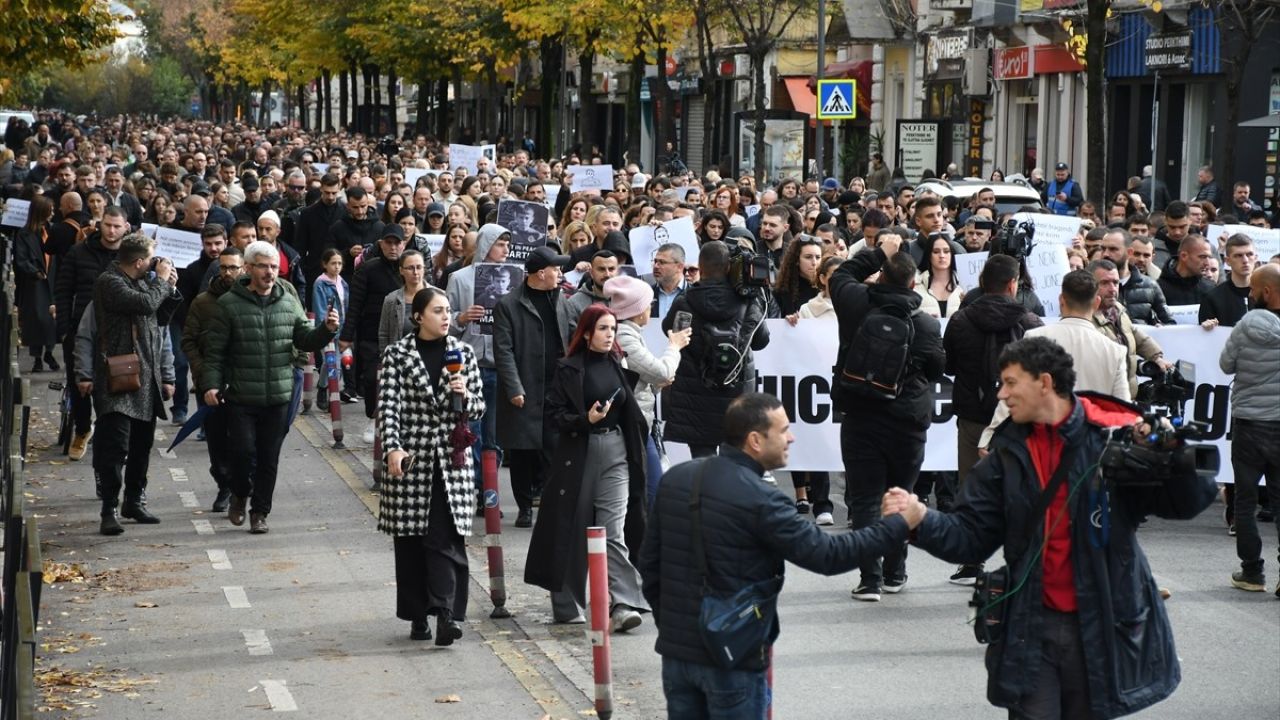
pixel 598 581
pixel 493 534
pixel 309 375
pixel 331 370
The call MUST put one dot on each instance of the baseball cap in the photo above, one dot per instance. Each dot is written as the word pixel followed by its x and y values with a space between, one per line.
pixel 393 230
pixel 1060 166
pixel 830 184
pixel 639 180
pixel 249 182
pixel 352 154
pixel 544 257
pixel 435 208
pixel 201 188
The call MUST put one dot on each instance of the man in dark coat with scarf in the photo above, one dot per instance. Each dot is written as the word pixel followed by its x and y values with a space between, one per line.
pixel 127 298
pixel 531 330
pixel 1077 577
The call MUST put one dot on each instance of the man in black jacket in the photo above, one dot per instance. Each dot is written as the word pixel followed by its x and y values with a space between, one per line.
pixel 1077 576
pixel 975 336
pixel 373 281
pixel 1182 279
pixel 358 229
pixel 311 237
pixel 1168 239
pixel 694 404
pixel 1141 296
pixel 77 273
pixel 748 528
pixel 1229 301
pixel 882 441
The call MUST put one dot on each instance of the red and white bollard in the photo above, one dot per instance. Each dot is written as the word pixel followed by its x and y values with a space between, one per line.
pixel 493 534
pixel 309 375
pixel 598 583
pixel 331 370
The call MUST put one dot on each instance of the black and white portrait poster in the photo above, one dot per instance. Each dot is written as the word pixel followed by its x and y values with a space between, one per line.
pixel 527 222
pixel 493 282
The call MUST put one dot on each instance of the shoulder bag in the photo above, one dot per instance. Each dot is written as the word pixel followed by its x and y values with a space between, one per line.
pixel 740 625
pixel 124 372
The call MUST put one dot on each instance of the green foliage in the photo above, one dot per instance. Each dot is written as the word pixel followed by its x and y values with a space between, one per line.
pixel 38 33
pixel 131 86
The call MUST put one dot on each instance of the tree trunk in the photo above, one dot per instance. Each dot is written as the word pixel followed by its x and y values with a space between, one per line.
pixel 444 110
pixel 587 134
pixel 455 117
pixel 343 105
pixel 375 117
pixel 394 101
pixel 757 55
pixel 549 89
pixel 711 89
pixel 492 111
pixel 365 119
pixel 634 121
pixel 1096 100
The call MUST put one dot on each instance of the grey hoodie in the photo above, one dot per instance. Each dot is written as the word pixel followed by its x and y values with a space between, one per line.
pixel 1253 354
pixel 462 295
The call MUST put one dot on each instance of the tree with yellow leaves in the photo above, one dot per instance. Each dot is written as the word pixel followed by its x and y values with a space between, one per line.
pixel 37 34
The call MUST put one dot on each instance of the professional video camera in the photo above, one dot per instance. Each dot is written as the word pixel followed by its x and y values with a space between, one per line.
pixel 388 146
pixel 1014 239
pixel 1163 397
pixel 748 271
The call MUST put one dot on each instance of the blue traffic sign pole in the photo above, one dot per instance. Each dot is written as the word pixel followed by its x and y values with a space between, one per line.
pixel 822 58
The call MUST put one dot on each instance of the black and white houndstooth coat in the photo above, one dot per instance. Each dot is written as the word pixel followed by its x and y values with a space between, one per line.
pixel 416 417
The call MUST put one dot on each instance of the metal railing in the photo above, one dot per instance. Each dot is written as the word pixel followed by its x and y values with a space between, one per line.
pixel 23 570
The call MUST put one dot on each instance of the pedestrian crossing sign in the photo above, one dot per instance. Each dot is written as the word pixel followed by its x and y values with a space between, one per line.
pixel 837 99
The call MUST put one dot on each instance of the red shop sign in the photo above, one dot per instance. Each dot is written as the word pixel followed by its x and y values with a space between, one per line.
pixel 1013 63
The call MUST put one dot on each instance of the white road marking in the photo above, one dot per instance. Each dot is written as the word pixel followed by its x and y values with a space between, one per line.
pixel 178 474
pixel 219 559
pixel 203 527
pixel 188 499
pixel 236 597
pixel 279 696
pixel 257 642
pixel 168 455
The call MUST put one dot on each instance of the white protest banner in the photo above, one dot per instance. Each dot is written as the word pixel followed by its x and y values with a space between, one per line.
pixel 969 268
pixel 411 175
pixel 553 192
pixel 1052 229
pixel 180 246
pixel 1185 314
pixel 527 223
pixel 1266 241
pixel 796 368
pixel 646 239
pixel 1047 264
pixel 15 213
pixel 149 229
pixel 469 156
pixel 592 179
pixel 320 168
pixel 751 210
pixel 433 242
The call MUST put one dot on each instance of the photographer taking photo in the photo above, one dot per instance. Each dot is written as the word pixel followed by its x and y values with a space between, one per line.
pixel 1075 575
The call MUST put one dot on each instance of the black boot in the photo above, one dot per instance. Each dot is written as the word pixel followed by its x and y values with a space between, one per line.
pixel 419 630
pixel 110 523
pixel 222 501
pixel 447 630
pixel 37 366
pixel 137 512
pixel 48 360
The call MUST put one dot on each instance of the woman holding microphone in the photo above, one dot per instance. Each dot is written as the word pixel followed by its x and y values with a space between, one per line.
pixel 597 477
pixel 428 500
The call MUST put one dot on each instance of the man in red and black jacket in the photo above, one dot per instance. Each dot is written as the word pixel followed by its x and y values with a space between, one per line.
pixel 1077 577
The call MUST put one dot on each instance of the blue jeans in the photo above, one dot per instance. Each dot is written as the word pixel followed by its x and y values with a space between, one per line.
pixel 486 428
pixel 698 692
pixel 181 391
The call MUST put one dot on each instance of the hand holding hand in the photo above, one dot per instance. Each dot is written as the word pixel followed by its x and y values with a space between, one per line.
pixel 596 412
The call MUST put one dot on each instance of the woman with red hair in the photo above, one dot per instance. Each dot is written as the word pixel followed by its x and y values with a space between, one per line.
pixel 725 199
pixel 598 477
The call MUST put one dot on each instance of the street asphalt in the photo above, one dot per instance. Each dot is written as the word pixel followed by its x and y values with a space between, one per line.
pixel 197 619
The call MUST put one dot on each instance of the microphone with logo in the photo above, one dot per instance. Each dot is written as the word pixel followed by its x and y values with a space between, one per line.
pixel 453 363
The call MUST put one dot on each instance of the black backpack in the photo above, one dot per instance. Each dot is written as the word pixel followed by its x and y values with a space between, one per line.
pixel 724 349
pixel 877 364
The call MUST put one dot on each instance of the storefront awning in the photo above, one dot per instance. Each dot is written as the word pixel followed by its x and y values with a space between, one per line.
pixel 802 98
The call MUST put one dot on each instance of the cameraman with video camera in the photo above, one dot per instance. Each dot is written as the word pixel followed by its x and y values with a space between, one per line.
pixel 1075 575
pixel 726 310
pixel 1015 240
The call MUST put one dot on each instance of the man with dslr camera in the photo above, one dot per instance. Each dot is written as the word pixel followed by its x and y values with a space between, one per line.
pixel 1075 575
pixel 127 297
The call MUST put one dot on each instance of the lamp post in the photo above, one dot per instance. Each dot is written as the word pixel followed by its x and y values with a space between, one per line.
pixel 822 56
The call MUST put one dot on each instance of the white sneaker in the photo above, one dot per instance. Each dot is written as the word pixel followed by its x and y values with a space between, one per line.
pixel 368 434
pixel 624 619
pixel 826 519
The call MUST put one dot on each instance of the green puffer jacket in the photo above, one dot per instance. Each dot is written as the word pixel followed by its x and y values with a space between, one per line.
pixel 250 344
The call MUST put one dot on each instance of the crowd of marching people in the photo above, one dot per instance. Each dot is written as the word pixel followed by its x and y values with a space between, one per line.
pixel 383 253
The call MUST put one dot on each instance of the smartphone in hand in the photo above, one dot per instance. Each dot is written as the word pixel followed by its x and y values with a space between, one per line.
pixel 683 321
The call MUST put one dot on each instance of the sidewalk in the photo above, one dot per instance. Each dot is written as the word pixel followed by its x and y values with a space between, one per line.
pixel 195 618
